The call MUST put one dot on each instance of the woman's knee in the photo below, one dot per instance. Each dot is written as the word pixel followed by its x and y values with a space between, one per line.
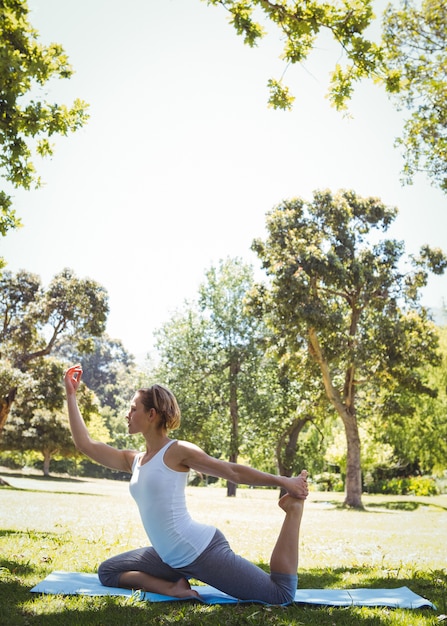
pixel 107 575
pixel 286 585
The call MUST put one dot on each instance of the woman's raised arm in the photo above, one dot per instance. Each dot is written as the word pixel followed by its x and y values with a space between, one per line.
pixel 96 450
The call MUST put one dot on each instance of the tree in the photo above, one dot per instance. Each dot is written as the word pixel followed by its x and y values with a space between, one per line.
pixel 416 429
pixel 272 409
pixel 34 320
pixel 348 301
pixel 39 418
pixel 208 355
pixel 186 365
pixel 26 123
pixel 415 40
pixel 234 335
pixel 46 432
pixel 299 24
pixel 109 369
pixel 290 412
pixel 110 372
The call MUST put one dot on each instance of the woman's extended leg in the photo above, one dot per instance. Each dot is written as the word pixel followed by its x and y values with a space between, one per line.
pixel 220 567
pixel 284 558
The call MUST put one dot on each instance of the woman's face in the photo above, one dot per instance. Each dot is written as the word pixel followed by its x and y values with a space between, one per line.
pixel 137 416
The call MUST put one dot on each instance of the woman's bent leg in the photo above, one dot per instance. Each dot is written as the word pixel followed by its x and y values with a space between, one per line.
pixel 143 569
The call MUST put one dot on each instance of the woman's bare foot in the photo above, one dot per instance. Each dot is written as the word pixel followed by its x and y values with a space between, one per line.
pixel 289 504
pixel 182 589
pixel 140 580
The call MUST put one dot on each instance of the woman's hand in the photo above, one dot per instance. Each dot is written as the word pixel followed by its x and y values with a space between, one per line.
pixel 72 379
pixel 297 486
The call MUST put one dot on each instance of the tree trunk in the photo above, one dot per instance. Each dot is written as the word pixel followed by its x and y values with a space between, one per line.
pixel 289 442
pixel 353 496
pixel 46 462
pixel 5 406
pixel 353 485
pixel 231 489
pixel 234 415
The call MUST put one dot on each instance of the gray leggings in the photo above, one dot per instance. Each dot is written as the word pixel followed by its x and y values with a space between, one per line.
pixel 217 566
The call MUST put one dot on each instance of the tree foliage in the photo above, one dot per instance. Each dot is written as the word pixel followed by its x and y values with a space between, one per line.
pixel 109 369
pixel 299 24
pixel 39 419
pixel 349 302
pixel 111 373
pixel 28 122
pixel 214 344
pixel 408 56
pixel 287 429
pixel 415 427
pixel 34 320
pixel 415 40
pixel 186 365
pixel 263 415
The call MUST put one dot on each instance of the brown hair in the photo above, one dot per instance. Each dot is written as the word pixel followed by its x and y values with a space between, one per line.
pixel 164 402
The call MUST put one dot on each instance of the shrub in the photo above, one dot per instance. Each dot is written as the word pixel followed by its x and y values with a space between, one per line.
pixel 328 481
pixel 422 486
pixel 412 485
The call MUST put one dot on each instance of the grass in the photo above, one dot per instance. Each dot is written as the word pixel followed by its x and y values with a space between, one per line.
pixel 74 524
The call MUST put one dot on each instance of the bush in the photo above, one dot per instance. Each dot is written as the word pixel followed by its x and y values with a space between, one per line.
pixel 442 483
pixel 11 461
pixel 412 485
pixel 328 481
pixel 422 486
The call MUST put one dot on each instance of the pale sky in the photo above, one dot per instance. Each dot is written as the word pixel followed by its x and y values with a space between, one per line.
pixel 182 159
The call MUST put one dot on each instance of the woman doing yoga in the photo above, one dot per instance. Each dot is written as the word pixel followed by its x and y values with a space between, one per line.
pixel 182 548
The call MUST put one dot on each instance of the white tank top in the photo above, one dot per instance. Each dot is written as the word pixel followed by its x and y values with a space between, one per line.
pixel 160 495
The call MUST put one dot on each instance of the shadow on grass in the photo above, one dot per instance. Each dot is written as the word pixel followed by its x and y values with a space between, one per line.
pixel 19 606
pixel 31 534
pixel 41 477
pixel 431 585
pixel 55 493
pixel 396 505
pixel 11 568
pixel 404 505
pixel 46 479
pixel 116 612
pixel 337 576
pixel 49 491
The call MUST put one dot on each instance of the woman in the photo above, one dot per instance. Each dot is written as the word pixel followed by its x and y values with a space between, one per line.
pixel 181 547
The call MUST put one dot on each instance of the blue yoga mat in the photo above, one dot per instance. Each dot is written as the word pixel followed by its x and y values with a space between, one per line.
pixel 80 583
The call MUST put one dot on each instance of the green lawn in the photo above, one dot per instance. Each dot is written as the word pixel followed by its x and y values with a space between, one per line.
pixel 73 524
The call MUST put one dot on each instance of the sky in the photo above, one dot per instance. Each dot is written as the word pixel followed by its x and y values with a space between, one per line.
pixel 181 158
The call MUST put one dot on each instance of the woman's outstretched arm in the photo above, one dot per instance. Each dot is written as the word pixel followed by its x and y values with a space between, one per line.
pixel 191 456
pixel 96 450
